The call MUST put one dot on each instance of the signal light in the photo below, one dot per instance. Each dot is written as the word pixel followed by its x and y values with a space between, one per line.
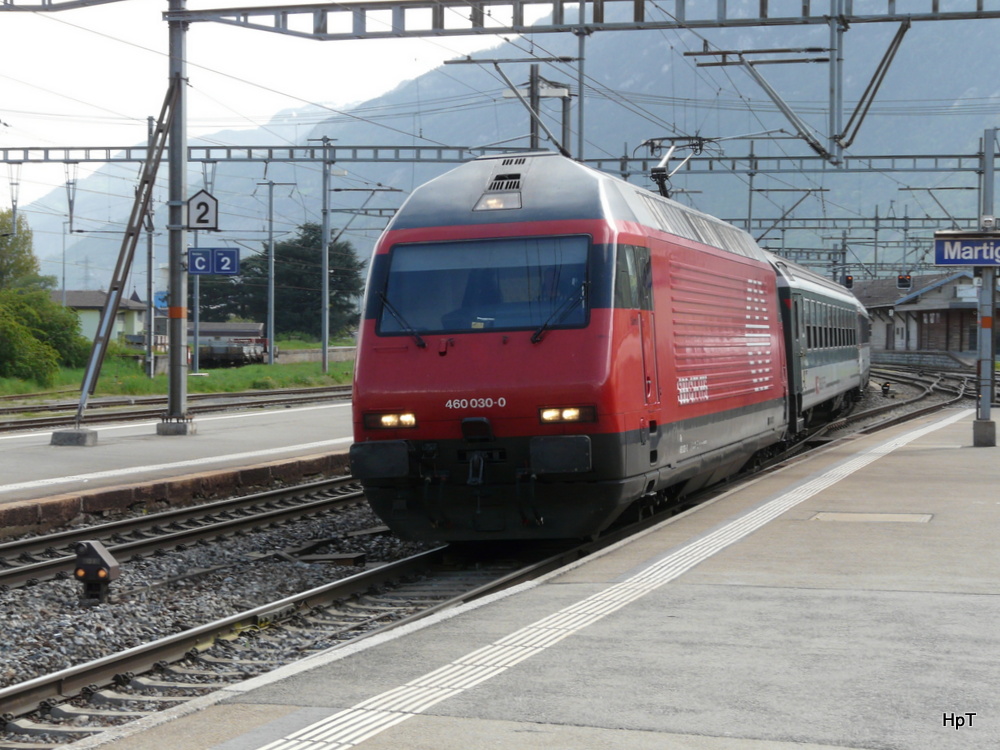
pixel 903 281
pixel 849 282
pixel 95 568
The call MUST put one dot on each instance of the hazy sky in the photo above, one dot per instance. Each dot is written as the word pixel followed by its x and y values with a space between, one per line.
pixel 92 77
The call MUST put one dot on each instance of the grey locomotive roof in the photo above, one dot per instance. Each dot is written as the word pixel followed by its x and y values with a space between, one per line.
pixel 555 188
pixel 542 178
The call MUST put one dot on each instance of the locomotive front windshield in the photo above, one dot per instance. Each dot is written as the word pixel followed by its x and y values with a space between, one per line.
pixel 535 283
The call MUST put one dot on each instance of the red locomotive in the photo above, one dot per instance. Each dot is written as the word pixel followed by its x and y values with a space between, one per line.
pixel 544 345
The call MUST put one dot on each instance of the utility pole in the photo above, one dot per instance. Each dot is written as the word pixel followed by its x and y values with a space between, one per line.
pixel 150 306
pixel 325 266
pixel 535 101
pixel 270 267
pixel 984 429
pixel 176 421
pixel 581 36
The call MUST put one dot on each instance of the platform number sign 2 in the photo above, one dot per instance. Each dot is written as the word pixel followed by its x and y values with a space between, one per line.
pixel 205 261
pixel 203 211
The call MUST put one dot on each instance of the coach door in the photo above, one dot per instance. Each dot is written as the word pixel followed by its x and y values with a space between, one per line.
pixel 634 291
pixel 798 339
pixel 647 325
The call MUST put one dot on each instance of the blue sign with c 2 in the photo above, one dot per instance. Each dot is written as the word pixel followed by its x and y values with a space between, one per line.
pixel 223 261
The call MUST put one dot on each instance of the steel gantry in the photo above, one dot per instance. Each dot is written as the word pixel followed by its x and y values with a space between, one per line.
pixel 391 19
pixel 626 165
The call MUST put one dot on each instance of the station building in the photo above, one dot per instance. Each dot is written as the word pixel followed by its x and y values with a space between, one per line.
pixel 938 315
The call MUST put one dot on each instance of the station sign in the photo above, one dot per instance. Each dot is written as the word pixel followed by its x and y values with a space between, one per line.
pixel 966 249
pixel 222 261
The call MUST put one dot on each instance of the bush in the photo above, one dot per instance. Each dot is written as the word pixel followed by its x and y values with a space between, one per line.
pixel 55 326
pixel 24 356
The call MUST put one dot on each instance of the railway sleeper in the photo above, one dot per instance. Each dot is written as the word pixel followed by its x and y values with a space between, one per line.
pixel 8 745
pixel 214 672
pixel 346 624
pixel 113 697
pixel 67 711
pixel 262 664
pixel 32 728
pixel 164 686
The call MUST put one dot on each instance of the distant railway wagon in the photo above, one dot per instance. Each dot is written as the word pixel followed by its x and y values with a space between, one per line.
pixel 232 352
pixel 544 345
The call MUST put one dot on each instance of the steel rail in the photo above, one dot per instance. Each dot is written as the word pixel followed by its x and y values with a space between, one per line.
pixel 112 401
pixel 124 551
pixel 250 399
pixel 39 692
pixel 49 690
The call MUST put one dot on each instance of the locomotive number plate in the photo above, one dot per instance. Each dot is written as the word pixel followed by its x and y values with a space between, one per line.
pixel 475 403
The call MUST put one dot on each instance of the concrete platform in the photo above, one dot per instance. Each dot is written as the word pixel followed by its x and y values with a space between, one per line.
pixel 131 466
pixel 849 600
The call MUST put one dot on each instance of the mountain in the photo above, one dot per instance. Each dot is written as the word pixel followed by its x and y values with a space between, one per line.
pixel 639 85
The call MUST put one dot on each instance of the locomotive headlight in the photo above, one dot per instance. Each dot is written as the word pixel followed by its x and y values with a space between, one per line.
pixel 395 420
pixel 554 415
pixel 499 201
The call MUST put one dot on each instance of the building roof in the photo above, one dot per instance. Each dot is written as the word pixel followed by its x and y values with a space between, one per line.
pixel 924 288
pixel 874 293
pixel 89 299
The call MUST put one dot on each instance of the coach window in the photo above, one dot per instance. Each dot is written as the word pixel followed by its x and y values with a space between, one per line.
pixel 809 323
pixel 814 311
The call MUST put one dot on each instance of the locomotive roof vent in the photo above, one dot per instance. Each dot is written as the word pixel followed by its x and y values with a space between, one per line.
pixel 503 182
pixel 512 161
pixel 503 190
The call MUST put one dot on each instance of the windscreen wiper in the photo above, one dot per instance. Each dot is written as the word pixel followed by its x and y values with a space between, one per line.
pixel 406 327
pixel 560 313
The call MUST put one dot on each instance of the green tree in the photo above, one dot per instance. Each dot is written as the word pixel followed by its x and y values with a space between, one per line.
pixel 36 334
pixel 18 265
pixel 298 278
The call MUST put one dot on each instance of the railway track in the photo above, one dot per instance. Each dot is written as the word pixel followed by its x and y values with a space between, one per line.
pixel 124 408
pixel 935 390
pixel 84 700
pixel 33 560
